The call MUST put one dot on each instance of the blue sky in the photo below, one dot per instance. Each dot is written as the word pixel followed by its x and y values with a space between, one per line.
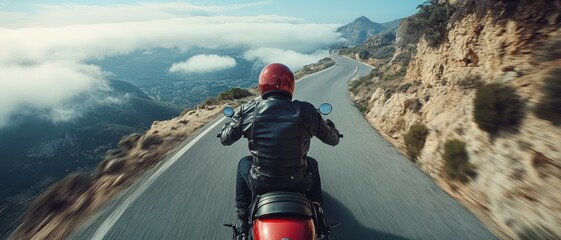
pixel 319 11
pixel 338 11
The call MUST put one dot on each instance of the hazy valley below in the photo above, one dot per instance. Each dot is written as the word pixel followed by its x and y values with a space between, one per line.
pixel 149 70
pixel 37 152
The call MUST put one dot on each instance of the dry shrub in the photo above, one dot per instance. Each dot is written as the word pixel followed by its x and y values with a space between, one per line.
pixel 549 107
pixel 415 140
pixel 152 140
pixel 456 159
pixel 497 106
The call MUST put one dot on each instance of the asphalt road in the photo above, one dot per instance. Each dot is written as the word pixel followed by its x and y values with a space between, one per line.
pixel 369 187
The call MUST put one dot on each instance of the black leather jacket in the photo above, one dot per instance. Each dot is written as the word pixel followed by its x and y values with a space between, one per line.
pixel 279 131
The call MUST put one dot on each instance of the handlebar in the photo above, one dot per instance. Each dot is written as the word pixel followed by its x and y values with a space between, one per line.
pixel 340 135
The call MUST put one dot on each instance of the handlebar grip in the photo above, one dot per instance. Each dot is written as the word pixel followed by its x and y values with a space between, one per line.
pixel 219 135
pixel 340 135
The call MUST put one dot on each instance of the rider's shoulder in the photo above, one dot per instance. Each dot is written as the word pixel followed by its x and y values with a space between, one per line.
pixel 304 104
pixel 248 106
pixel 252 102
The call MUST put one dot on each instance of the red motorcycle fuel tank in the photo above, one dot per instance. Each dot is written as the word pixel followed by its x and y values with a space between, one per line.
pixel 279 228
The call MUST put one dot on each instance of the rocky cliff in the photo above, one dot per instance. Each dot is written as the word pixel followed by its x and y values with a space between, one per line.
pixel 512 172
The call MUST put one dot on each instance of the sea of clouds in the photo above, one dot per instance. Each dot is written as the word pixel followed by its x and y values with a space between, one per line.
pixel 44 53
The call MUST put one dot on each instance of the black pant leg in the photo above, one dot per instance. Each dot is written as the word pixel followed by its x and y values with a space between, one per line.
pixel 315 190
pixel 243 193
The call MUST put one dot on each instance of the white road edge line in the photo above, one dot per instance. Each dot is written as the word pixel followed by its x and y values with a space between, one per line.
pixel 114 217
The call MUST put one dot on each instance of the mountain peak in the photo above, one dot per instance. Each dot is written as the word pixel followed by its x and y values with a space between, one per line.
pixel 362 19
pixel 359 30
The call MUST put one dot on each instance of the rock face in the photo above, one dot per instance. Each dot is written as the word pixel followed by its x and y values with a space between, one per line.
pixel 517 188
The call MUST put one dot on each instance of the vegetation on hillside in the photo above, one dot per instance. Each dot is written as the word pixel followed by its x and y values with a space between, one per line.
pixel 322 64
pixel 415 140
pixel 456 159
pixel 363 81
pixel 506 43
pixel 228 95
pixel 497 106
pixel 549 107
pixel 429 23
pixel 377 47
pixel 151 140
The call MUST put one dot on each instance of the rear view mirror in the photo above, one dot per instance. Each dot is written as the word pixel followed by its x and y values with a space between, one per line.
pixel 228 111
pixel 325 108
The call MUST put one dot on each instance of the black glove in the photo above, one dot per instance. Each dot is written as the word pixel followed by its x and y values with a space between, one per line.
pixel 330 123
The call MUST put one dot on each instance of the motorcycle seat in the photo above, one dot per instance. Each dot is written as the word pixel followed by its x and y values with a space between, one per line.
pixel 283 203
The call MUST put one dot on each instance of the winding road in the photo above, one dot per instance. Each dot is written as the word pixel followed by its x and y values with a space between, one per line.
pixel 369 187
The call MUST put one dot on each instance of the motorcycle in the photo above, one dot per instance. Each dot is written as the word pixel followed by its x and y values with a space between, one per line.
pixel 285 215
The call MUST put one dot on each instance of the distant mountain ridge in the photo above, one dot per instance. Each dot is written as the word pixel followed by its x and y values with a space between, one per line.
pixel 362 28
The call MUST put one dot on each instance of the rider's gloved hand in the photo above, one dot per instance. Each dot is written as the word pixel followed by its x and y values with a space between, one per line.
pixel 330 123
pixel 242 227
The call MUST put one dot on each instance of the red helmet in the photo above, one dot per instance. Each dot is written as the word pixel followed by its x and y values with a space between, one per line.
pixel 276 77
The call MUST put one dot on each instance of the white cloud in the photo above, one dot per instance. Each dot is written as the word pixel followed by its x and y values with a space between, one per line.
pixel 203 64
pixel 44 67
pixel 83 42
pixel 71 14
pixel 294 60
pixel 47 90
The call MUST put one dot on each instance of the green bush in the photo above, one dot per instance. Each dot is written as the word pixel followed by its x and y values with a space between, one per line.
pixel 415 140
pixel 456 159
pixel 549 107
pixel 497 106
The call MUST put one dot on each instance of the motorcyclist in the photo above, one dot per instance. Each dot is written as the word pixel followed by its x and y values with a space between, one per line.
pixel 279 131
